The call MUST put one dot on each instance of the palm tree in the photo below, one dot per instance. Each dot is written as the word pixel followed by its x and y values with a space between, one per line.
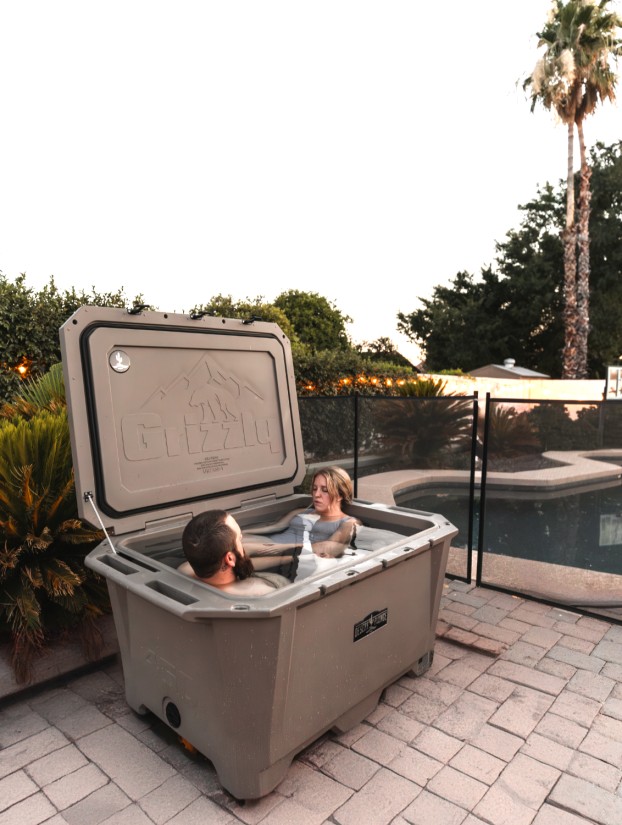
pixel 575 73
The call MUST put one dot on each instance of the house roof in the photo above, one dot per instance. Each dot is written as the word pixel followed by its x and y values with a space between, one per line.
pixel 506 370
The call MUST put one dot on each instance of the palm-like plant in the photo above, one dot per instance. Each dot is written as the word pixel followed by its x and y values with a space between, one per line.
pixel 423 427
pixel 44 586
pixel 46 392
pixel 575 73
pixel 511 434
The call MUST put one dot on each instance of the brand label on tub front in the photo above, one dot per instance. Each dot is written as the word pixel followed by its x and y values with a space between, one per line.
pixel 371 622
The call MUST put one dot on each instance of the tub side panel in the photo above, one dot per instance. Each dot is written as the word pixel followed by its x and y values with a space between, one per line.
pixel 355 642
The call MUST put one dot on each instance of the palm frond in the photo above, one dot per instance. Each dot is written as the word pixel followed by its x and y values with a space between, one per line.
pixel 44 585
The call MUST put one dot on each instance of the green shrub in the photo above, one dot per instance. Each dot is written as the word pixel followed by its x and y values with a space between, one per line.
pixel 44 586
pixel 338 372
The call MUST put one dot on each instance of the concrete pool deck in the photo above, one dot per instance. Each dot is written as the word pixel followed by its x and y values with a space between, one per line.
pixel 575 469
pixel 518 721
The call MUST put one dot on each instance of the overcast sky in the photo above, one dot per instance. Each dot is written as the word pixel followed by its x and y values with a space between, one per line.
pixel 366 151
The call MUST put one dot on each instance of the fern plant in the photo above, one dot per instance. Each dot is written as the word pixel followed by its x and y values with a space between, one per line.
pixel 44 585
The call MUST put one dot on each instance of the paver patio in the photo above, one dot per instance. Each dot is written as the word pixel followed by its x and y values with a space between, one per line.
pixel 518 721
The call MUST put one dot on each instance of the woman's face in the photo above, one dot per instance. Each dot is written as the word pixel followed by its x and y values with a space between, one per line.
pixel 322 501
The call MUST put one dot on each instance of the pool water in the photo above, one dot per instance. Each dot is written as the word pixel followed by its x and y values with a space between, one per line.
pixel 581 529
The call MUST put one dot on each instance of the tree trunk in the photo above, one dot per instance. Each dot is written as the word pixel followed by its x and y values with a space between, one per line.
pixel 583 260
pixel 569 359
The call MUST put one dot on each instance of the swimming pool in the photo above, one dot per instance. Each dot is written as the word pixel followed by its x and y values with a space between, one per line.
pixel 579 527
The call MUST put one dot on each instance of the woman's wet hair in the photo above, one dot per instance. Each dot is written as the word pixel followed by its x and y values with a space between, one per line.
pixel 338 483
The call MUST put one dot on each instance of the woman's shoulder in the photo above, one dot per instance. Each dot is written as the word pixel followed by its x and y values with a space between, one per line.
pixel 305 517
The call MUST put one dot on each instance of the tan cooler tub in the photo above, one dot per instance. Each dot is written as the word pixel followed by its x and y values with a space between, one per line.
pixel 170 416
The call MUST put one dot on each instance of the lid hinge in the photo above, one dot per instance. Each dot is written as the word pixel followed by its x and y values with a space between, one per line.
pixel 88 496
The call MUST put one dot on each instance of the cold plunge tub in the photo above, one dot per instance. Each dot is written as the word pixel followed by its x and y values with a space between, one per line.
pixel 170 416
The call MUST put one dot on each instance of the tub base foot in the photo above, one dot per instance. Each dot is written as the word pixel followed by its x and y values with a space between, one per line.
pixel 424 663
pixel 357 713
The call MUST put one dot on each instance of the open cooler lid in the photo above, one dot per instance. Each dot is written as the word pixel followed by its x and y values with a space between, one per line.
pixel 171 415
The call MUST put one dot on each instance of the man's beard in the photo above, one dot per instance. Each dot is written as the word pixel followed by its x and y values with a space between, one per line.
pixel 243 567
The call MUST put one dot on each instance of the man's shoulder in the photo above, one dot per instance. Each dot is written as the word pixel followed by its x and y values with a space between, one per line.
pixel 253 586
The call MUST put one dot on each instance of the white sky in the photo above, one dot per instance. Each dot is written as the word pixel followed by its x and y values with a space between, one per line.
pixel 366 151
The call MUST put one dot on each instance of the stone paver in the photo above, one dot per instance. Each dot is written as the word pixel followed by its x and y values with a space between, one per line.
pixel 15 787
pixel 528 677
pixel 583 661
pixel 400 726
pixel 135 768
pixel 30 811
pixel 379 801
pixel 524 653
pixel 547 751
pixel 173 796
pixel 528 780
pixel 478 764
pixel 428 808
pixel 98 806
pixel 30 749
pixel 437 744
pixel 522 711
pixel 613 708
pixel 497 742
pixel 518 721
pixel 551 815
pixel 592 685
pixel 351 769
pixel 595 770
pixel 588 800
pixel 19 723
pixel 609 651
pixel 541 637
pixel 561 730
pixel 464 718
pixel 602 747
pixel 578 708
pixel 57 764
pixel 378 746
pixel 416 766
pixel 492 687
pixel 500 807
pixel 457 787
pixel 75 786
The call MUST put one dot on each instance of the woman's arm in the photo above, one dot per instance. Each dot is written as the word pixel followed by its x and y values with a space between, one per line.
pixel 277 526
pixel 333 547
pixel 273 563
pixel 257 546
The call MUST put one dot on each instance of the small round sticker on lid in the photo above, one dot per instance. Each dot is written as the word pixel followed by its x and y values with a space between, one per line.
pixel 119 360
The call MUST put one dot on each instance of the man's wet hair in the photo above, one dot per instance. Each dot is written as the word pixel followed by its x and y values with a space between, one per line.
pixel 206 540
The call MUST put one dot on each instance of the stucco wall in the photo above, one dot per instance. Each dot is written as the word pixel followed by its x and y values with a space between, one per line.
pixel 534 388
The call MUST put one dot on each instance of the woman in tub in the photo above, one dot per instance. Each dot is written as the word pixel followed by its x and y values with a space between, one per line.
pixel 316 535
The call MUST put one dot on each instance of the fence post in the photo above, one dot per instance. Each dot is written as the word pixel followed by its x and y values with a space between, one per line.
pixel 356 443
pixel 482 496
pixel 469 570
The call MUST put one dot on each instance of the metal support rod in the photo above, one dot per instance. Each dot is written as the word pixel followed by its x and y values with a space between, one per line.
pixel 89 497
